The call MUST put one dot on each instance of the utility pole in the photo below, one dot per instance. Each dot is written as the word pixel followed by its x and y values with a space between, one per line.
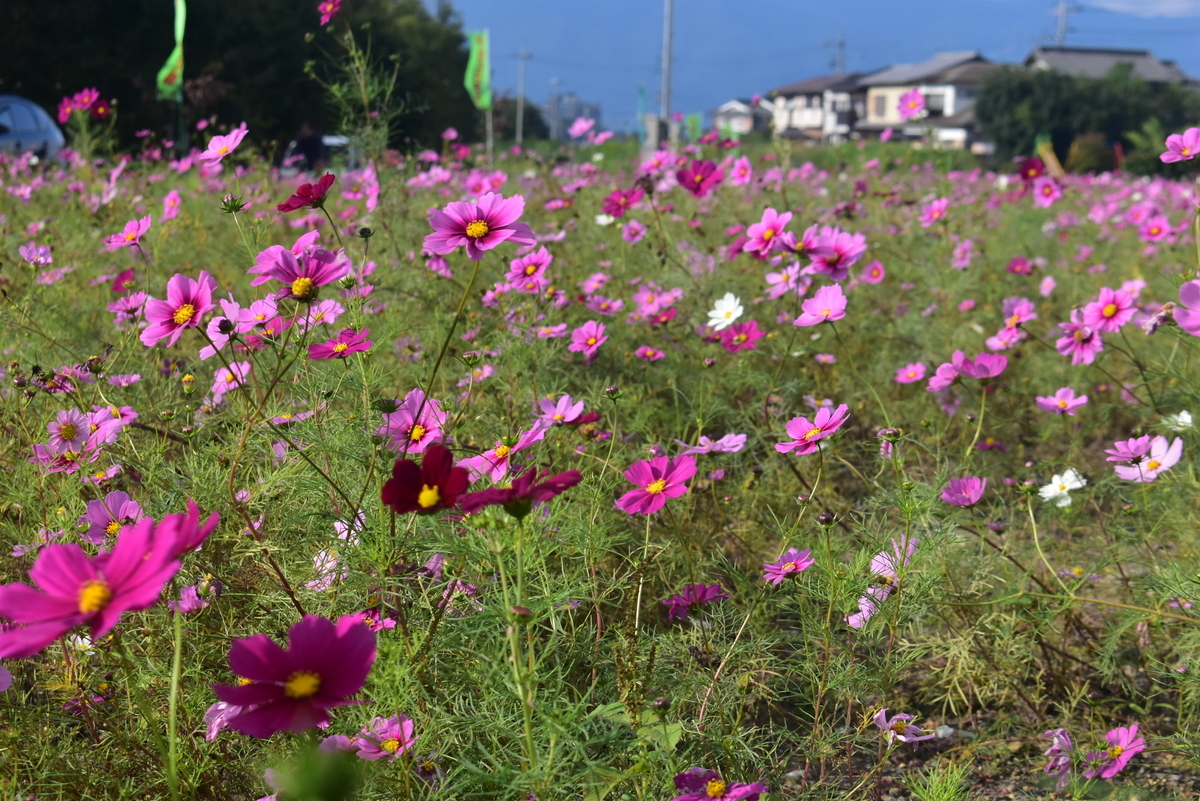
pixel 668 20
pixel 522 57
pixel 1063 12
pixel 839 63
pixel 554 112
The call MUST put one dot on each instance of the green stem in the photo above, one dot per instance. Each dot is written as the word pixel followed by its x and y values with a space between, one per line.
pixel 854 369
pixel 148 713
pixel 173 709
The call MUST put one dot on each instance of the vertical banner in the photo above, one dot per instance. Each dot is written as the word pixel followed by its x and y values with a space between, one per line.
pixel 170 77
pixel 693 124
pixel 478 79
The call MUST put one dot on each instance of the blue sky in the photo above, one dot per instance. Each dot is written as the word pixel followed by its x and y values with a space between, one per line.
pixel 734 48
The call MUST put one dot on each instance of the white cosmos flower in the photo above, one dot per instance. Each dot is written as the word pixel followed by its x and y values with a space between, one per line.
pixel 605 219
pixel 1059 488
pixel 724 312
pixel 1178 422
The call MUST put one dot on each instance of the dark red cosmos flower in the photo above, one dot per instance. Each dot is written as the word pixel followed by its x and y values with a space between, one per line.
pixel 101 109
pixel 1031 168
pixel 434 485
pixel 525 491
pixel 310 196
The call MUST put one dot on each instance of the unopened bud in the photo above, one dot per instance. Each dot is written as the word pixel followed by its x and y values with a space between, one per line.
pixel 365 233
pixel 825 519
pixel 662 703
pixel 612 392
pixel 521 612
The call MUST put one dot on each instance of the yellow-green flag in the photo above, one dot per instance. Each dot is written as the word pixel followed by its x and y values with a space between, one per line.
pixel 479 71
pixel 170 77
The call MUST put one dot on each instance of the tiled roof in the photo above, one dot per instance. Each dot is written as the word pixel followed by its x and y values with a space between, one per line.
pixel 901 74
pixel 817 85
pixel 1088 62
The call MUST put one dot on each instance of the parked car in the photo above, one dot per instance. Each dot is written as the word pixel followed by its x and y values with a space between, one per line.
pixel 332 145
pixel 26 127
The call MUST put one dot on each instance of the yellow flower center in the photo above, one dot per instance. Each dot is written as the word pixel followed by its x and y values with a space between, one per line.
pixel 230 378
pixel 767 234
pixel 93 596
pixel 715 788
pixel 112 528
pixel 302 684
pixel 655 487
pixel 591 340
pixel 812 432
pixel 788 567
pixel 1187 151
pixel 1077 572
pixel 184 313
pixel 1115 752
pixel 502 451
pixel 1110 310
pixel 68 431
pixel 285 417
pixel 531 269
pixel 223 149
pixel 303 288
pixel 243 681
pixel 558 418
pixel 429 496
pixel 391 745
pixel 477 229
pixel 1080 336
pixel 416 432
pixel 1062 404
pixel 1014 321
pixel 115 412
pixel 129 237
pixel 899 727
pixel 1153 464
pixel 340 347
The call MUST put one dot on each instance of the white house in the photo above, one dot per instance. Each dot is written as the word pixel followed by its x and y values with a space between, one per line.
pixel 818 109
pixel 740 117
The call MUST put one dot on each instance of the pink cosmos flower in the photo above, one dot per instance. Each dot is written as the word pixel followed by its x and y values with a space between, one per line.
pixel 912 103
pixel 657 480
pixel 386 738
pixel 1155 229
pixel 700 178
pixel 187 301
pixel 1159 458
pixel 899 727
pixel 130 236
pixel 35 254
pixel 303 273
pixel 328 9
pixel 530 266
pixel 1061 402
pixel 580 127
pixel 1187 313
pixel 730 443
pixel 618 202
pixel 1046 192
pixel 1124 744
pixel 633 232
pixel 105 517
pixel 479 226
pixel 294 689
pixel 741 336
pixel 1129 450
pixel 698 784
pixel 494 463
pixel 563 410
pixel 76 589
pixel 790 563
pixel 963 253
pixel 69 430
pixel 1060 755
pixel 885 570
pixel 964 491
pixel 171 205
pixel 838 251
pixel 649 354
pixel 1110 311
pixel 742 173
pixel 910 373
pixel 346 342
pixel 982 367
pixel 933 212
pixel 1182 148
pixel 1081 342
pixel 221 146
pixel 1018 310
pixel 587 339
pixel 807 434
pixel 873 273
pixel 762 234
pixel 826 305
pixel 1047 286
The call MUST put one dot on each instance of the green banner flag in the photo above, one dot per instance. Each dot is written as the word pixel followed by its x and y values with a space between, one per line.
pixel 170 77
pixel 479 71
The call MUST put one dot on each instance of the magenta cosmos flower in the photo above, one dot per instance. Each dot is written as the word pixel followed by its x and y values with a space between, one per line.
pixel 912 103
pixel 700 178
pixel 221 146
pixel 294 689
pixel 346 342
pixel 899 727
pixel 1111 310
pixel 680 605
pixel 620 202
pixel 1157 457
pixel 964 491
pixel 826 305
pixel 303 273
pixel 1124 744
pixel 309 196
pixel 808 433
pixel 528 490
pixel 131 235
pixel 933 212
pixel 698 784
pixel 764 233
pixel 479 226
pixel 76 589
pixel 836 252
pixel 386 738
pixel 790 563
pixel 1060 755
pixel 1062 402
pixel 187 300
pixel 415 424
pixel 741 336
pixel 587 339
pixel 1182 148
pixel 657 480
pixel 328 9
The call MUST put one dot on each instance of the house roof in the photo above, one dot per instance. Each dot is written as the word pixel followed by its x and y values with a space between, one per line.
pixel 814 86
pixel 901 74
pixel 1095 62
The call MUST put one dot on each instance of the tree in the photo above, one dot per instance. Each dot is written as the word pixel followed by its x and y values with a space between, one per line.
pixel 504 119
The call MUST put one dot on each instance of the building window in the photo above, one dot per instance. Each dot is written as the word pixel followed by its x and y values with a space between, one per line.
pixel 935 104
pixel 880 105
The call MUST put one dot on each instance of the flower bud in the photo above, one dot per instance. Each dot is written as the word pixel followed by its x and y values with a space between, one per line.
pixel 710 362
pixel 189 384
pixel 521 612
pixel 825 519
pixel 612 392
pixel 365 233
pixel 662 703
pixel 167 414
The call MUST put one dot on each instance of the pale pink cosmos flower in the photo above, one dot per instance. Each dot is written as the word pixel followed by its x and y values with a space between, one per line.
pixel 806 434
pixel 1187 313
pixel 825 306
pixel 1062 402
pixel 131 235
pixel 1046 192
pixel 1047 286
pixel 933 212
pixel 965 491
pixel 69 430
pixel 1160 458
pixel 171 205
pixel 580 127
pixel 730 443
pixel 912 103
pixel 1018 310
pixel 563 410
pixel 873 273
pixel 982 367
pixel 762 234
pixel 1110 311
pixel 1182 147
pixel 963 253
pixel 187 301
pixel 742 173
pixel 899 727
pixel 633 232
pixel 910 373
pixel 657 480
pixel 885 570
pixel 415 424
pixel 229 378
pixel 35 254
pixel 222 145
pixel 479 226
pixel 1081 342
pixel 494 462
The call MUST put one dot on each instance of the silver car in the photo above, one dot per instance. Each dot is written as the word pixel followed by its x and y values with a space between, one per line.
pixel 26 127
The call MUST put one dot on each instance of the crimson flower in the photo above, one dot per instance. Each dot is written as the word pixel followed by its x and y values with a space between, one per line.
pixel 526 491
pixel 310 196
pixel 433 485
